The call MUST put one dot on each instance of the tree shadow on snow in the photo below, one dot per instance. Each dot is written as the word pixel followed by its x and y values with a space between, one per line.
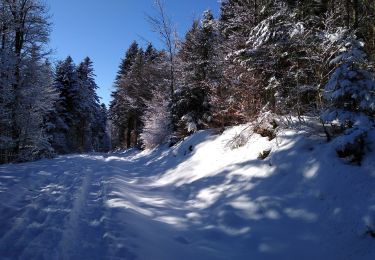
pixel 307 201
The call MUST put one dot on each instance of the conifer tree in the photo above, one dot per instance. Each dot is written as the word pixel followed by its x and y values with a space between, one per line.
pixel 118 107
pixel 157 117
pixel 89 107
pixel 199 73
pixel 350 91
pixel 101 137
pixel 65 116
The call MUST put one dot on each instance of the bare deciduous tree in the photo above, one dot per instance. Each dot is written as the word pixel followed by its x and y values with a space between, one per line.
pixel 163 25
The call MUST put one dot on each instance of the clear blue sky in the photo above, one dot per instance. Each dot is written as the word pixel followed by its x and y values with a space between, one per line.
pixel 104 29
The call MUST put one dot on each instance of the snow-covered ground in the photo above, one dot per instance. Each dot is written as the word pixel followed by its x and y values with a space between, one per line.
pixel 198 200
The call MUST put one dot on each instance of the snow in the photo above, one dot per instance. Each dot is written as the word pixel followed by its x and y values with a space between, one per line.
pixel 201 199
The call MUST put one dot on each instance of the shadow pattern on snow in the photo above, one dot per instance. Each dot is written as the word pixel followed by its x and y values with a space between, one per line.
pixel 299 200
pixel 204 202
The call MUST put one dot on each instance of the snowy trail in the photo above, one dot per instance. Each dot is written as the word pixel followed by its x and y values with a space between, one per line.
pixel 300 203
pixel 62 209
pixel 68 246
pixel 46 211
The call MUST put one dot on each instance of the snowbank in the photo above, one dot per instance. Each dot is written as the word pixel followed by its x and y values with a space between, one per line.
pixel 198 200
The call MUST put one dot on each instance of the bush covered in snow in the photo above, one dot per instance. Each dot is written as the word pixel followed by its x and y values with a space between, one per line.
pixel 350 96
pixel 157 122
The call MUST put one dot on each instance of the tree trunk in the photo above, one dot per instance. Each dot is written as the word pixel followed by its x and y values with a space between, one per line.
pixel 356 13
pixel 19 17
pixel 348 13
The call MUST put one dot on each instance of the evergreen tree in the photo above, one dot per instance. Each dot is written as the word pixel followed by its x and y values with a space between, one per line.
pixel 350 99
pixel 139 87
pixel 134 92
pixel 260 56
pixel 100 137
pixel 199 73
pixel 151 53
pixel 234 100
pixel 282 61
pixel 88 106
pixel 350 90
pixel 78 123
pixel 157 117
pixel 65 117
pixel 118 107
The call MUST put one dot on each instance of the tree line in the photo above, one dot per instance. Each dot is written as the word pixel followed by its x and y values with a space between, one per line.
pixel 287 57
pixel 44 109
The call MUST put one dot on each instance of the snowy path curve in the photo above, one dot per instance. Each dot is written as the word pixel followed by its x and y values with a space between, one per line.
pixel 209 202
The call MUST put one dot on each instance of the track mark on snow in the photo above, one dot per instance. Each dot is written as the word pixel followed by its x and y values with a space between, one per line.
pixel 69 246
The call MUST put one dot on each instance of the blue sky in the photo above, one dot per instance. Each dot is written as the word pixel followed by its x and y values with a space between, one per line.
pixel 104 29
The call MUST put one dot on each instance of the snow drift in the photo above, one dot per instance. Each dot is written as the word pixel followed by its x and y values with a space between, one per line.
pixel 287 198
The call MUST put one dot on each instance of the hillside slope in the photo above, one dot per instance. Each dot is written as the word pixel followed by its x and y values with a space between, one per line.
pixel 202 199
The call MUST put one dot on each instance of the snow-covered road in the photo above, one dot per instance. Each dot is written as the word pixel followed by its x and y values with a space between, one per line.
pixel 199 200
pixel 52 209
pixel 87 207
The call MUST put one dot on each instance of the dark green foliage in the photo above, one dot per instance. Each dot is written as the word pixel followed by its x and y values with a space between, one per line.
pixel 199 72
pixel 78 119
pixel 259 56
pixel 119 113
pixel 353 152
pixel 264 154
pixel 139 73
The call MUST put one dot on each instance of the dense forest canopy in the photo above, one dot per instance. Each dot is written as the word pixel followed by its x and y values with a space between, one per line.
pixel 289 58
pixel 285 57
pixel 44 109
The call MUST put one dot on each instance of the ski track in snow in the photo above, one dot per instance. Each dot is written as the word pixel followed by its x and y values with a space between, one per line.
pixel 182 204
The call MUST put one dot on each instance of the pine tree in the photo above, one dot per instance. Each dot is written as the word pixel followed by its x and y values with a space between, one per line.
pixel 284 60
pixel 88 105
pixel 65 117
pixel 350 100
pixel 199 73
pixel 235 102
pixel 100 137
pixel 139 88
pixel 78 123
pixel 350 90
pixel 157 117
pixel 151 53
pixel 118 107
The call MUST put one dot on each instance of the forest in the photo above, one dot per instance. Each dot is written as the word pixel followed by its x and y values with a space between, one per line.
pixel 259 57
pixel 250 136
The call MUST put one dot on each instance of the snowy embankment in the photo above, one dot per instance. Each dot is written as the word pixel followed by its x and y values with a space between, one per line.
pixel 198 200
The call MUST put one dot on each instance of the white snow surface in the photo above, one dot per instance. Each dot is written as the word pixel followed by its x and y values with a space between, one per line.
pixel 198 200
